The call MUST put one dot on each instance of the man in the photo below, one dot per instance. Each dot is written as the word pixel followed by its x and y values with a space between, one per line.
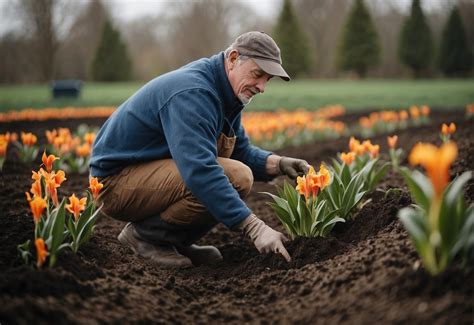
pixel 175 160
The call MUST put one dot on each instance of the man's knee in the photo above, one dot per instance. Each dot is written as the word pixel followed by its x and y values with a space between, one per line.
pixel 240 175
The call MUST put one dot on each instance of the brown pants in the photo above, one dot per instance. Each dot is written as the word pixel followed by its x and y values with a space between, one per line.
pixel 156 190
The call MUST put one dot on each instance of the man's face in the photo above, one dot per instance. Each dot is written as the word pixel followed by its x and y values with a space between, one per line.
pixel 246 78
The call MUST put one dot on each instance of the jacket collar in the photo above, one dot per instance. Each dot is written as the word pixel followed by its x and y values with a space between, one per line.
pixel 232 104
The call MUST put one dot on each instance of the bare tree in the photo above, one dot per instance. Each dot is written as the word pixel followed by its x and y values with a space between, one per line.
pixel 76 52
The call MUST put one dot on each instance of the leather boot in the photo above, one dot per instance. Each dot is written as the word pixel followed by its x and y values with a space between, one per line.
pixel 201 255
pixel 163 255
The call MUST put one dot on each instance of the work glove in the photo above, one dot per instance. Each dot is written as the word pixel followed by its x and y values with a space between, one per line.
pixel 293 167
pixel 264 238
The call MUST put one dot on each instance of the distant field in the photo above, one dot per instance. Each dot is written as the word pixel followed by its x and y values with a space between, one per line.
pixel 310 94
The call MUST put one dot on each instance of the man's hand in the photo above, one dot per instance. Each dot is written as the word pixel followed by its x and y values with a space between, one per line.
pixel 265 239
pixel 293 167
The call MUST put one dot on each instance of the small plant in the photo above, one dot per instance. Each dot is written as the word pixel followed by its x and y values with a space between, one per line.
pixel 58 225
pixel 447 131
pixel 75 149
pixel 396 154
pixel 301 210
pixel 440 223
pixel 27 150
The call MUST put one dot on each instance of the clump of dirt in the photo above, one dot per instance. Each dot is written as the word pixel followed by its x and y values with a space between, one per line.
pixel 365 271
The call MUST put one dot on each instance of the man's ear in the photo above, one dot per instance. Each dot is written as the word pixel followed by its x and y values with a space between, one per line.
pixel 233 55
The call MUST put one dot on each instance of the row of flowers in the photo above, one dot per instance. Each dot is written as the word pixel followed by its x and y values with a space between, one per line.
pixel 75 149
pixel 439 222
pixel 58 224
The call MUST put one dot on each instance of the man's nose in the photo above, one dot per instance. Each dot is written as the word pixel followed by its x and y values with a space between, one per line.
pixel 261 86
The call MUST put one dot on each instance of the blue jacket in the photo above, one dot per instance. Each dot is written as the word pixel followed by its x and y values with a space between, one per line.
pixel 180 115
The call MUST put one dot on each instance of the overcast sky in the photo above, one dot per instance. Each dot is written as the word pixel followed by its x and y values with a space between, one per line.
pixel 132 9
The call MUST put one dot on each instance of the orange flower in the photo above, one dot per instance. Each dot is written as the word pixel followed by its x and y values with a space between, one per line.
pixel 95 186
pixel 53 181
pixel 353 144
pixel 306 185
pixel 36 188
pixel 48 161
pixel 51 135
pixel 374 151
pixel 403 115
pixel 445 129
pixel 324 177
pixel 436 161
pixel 41 252
pixel 452 128
pixel 28 139
pixel 83 150
pixel 425 110
pixel 59 177
pixel 89 138
pixel 348 158
pixel 392 141
pixel 3 146
pixel 414 112
pixel 76 206
pixel 37 206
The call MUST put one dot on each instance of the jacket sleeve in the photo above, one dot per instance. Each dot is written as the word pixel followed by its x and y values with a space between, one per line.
pixel 190 122
pixel 250 155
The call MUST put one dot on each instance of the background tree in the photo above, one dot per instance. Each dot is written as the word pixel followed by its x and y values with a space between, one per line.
pixel 415 47
pixel 76 52
pixel 359 48
pixel 292 41
pixel 38 15
pixel 111 61
pixel 455 56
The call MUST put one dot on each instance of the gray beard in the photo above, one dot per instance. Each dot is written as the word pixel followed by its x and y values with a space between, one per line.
pixel 244 99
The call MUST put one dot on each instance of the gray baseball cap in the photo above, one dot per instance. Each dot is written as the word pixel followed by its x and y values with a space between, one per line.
pixel 263 50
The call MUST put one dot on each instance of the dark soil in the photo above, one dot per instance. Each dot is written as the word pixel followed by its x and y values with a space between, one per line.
pixel 366 271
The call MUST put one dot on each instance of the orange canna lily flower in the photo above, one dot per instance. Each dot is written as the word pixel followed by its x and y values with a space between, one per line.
pixel 36 188
pixel 95 186
pixel 83 150
pixel 48 161
pixel 324 177
pixel 37 206
pixel 89 138
pixel 3 146
pixel 436 161
pixel 306 185
pixel 353 144
pixel 28 139
pixel 51 135
pixel 348 158
pixel 452 128
pixel 445 129
pixel 76 206
pixel 59 177
pixel 425 110
pixel 41 252
pixel 392 141
pixel 374 151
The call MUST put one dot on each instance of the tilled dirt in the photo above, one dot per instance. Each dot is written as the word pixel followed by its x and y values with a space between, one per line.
pixel 366 271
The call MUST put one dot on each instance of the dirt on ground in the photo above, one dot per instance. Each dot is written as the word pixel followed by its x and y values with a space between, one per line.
pixel 365 271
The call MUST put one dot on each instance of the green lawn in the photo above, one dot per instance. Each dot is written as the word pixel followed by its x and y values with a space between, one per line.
pixel 310 94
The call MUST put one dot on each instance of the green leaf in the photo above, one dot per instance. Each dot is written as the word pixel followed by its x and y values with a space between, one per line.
pixel 416 226
pixel 420 187
pixel 57 229
pixel 378 176
pixel 455 188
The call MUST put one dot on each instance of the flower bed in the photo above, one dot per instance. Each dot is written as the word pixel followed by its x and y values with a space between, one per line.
pixel 365 271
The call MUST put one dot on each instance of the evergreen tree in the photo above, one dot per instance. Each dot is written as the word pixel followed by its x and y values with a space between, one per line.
pixel 359 48
pixel 292 41
pixel 455 56
pixel 111 61
pixel 415 47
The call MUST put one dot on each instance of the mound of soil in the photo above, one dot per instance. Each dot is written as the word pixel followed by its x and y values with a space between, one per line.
pixel 366 271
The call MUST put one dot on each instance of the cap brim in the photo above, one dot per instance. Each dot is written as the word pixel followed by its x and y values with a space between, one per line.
pixel 272 68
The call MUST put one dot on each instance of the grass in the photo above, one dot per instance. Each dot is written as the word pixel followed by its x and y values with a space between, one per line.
pixel 310 94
